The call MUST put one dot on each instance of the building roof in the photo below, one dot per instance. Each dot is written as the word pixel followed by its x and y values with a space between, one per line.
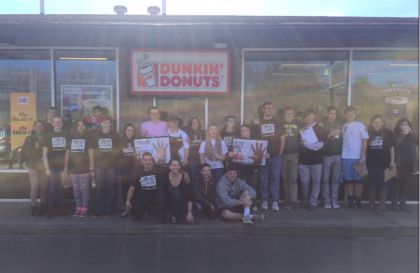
pixel 201 20
pixel 201 31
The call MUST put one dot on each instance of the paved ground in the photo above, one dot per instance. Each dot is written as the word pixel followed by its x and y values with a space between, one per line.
pixel 216 253
pixel 15 219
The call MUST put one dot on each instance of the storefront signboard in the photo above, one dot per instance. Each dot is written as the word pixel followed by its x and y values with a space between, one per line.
pixel 180 72
pixel 84 98
pixel 249 151
pixel 157 146
pixel 22 116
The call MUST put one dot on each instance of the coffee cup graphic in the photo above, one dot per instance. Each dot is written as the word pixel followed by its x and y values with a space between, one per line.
pixel 396 106
pixel 147 72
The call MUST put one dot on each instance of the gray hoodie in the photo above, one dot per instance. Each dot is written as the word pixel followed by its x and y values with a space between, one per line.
pixel 227 193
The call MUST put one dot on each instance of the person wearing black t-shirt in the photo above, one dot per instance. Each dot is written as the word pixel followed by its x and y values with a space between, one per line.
pixel 79 164
pixel 53 152
pixel 106 153
pixel 407 162
pixel 147 190
pixel 230 131
pixel 196 135
pixel 290 160
pixel 268 128
pixel 31 155
pixel 331 166
pixel 126 163
pixel 380 155
pixel 313 137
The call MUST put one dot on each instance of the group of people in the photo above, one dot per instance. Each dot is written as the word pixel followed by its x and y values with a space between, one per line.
pixel 201 179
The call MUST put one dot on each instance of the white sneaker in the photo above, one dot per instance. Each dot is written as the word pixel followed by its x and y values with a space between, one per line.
pixel 247 220
pixel 275 206
pixel 327 205
pixel 335 205
pixel 264 205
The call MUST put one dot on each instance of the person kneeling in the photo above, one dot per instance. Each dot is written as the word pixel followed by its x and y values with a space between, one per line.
pixel 234 198
pixel 146 192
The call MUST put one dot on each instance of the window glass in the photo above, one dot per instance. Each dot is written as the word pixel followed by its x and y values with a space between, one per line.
pixel 85 79
pixel 386 83
pixel 21 71
pixel 300 79
pixel 183 107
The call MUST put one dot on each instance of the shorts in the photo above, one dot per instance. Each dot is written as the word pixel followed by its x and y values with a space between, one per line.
pixel 350 174
pixel 236 209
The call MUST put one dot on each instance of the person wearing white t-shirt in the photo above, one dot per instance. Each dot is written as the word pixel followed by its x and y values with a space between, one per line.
pixel 213 151
pixel 355 138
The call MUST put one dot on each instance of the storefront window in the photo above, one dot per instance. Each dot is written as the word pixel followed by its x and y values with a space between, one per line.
pixel 300 79
pixel 22 71
pixel 183 107
pixel 85 79
pixel 386 83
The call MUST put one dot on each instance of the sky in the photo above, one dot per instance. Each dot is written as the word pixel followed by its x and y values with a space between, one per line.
pixel 373 8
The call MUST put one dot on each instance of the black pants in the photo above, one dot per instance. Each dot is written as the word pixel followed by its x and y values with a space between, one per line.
pixel 401 184
pixel 151 203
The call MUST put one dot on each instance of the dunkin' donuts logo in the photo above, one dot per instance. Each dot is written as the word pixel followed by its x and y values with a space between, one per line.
pixel 22 100
pixel 180 72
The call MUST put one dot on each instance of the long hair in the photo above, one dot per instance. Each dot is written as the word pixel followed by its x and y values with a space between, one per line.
pixel 218 137
pixel 397 129
pixel 33 126
pixel 371 130
pixel 125 127
pixel 75 124
pixel 191 121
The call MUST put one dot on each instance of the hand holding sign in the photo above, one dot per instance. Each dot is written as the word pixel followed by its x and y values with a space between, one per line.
pixel 160 151
pixel 258 152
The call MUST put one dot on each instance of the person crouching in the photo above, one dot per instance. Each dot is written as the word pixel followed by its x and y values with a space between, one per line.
pixel 146 190
pixel 234 198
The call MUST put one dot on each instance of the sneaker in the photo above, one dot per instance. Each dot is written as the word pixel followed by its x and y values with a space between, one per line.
pixel 257 217
pixel 254 208
pixel 77 211
pixel 247 220
pixel 264 205
pixel 83 212
pixel 275 206
pixel 327 205
pixel 335 205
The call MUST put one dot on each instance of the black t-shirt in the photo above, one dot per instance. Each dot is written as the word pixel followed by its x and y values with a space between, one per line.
pixel 311 157
pixel 228 138
pixel 78 147
pixel 127 156
pixel 292 138
pixel 270 130
pixel 148 182
pixel 106 150
pixel 334 144
pixel 196 137
pixel 378 154
pixel 56 144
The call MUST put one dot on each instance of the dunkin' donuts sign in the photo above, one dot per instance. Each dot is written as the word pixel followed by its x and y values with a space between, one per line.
pixel 179 72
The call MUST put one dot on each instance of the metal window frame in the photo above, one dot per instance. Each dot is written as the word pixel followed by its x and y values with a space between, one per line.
pixel 52 77
pixel 350 51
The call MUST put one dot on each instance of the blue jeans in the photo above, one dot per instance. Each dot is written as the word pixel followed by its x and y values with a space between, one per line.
pixel 105 191
pixel 270 179
pixel 54 189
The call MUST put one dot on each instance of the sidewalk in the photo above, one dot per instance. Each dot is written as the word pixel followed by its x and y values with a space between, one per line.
pixel 15 219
